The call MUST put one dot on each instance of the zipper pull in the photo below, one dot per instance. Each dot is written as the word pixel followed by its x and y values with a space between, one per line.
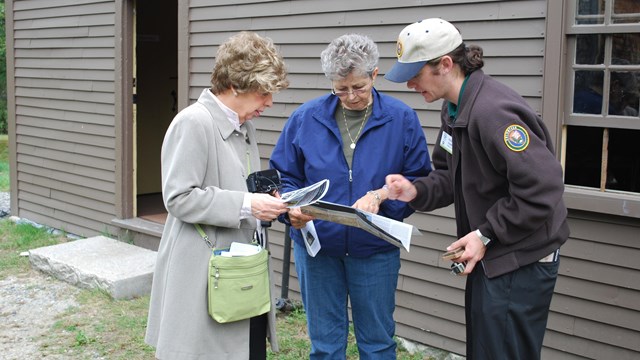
pixel 350 175
pixel 216 276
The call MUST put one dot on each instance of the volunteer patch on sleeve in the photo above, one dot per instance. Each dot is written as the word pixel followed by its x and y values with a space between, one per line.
pixel 516 137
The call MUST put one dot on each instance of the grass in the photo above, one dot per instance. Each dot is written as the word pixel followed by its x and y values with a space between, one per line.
pixel 99 327
pixel 16 238
pixel 4 164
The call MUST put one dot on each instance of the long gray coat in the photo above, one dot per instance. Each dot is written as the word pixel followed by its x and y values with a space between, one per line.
pixel 205 162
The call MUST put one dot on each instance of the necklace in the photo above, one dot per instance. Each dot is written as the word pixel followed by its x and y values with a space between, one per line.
pixel 353 141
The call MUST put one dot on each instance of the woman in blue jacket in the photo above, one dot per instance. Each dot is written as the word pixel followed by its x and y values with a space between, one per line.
pixel 354 137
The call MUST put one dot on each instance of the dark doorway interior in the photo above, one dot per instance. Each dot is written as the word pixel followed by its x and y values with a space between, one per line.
pixel 155 97
pixel 151 207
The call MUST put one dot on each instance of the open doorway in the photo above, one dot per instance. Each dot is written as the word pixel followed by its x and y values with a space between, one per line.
pixel 155 98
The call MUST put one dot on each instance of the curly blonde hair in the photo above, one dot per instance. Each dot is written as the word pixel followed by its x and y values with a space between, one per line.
pixel 248 62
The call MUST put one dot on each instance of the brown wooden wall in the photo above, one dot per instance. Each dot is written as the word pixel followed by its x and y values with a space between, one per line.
pixel 61 82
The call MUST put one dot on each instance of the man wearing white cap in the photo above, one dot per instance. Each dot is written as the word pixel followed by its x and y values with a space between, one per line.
pixel 495 162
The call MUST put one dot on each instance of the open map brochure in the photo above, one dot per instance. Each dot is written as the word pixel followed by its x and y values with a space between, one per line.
pixel 309 201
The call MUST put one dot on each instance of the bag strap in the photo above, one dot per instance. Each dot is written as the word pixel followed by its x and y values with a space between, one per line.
pixel 203 235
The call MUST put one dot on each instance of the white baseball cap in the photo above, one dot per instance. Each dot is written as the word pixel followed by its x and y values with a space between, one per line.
pixel 420 43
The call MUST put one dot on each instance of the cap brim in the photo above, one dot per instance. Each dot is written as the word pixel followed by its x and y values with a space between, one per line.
pixel 403 72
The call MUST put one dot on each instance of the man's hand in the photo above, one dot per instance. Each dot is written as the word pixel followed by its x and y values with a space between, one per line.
pixel 474 251
pixel 399 188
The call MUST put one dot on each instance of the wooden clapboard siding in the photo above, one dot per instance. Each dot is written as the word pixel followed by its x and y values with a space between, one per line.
pixel 570 346
pixel 595 311
pixel 64 77
pixel 45 187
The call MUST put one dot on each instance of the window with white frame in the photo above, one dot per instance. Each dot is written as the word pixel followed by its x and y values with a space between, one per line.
pixel 602 121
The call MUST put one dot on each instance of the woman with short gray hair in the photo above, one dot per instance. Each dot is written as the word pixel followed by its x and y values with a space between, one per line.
pixel 354 136
pixel 349 54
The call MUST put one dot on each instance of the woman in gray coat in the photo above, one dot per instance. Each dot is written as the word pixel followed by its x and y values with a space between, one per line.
pixel 207 153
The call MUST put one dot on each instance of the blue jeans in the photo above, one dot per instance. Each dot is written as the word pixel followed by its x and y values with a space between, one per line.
pixel 369 283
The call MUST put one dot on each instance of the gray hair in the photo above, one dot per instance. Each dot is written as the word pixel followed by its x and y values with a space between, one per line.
pixel 349 53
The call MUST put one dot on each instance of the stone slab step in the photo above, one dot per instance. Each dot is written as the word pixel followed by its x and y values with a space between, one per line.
pixel 122 270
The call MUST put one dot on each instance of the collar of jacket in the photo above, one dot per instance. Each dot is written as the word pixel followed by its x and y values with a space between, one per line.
pixel 328 105
pixel 225 127
pixel 466 104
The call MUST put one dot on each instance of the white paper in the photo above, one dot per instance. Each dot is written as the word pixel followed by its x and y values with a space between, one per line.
pixel 310 237
pixel 309 201
pixel 307 195
pixel 399 230
pixel 393 231
pixel 240 249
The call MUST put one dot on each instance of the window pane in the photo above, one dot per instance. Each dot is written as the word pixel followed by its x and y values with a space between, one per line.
pixel 584 156
pixel 623 169
pixel 590 12
pixel 626 49
pixel 590 49
pixel 587 96
pixel 626 11
pixel 623 93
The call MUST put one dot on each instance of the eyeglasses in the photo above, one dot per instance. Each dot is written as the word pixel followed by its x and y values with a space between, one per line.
pixel 355 92
pixel 345 93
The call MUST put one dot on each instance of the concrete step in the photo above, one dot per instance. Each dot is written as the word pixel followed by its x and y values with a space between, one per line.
pixel 122 270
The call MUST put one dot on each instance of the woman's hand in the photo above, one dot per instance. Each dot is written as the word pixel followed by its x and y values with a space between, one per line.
pixel 298 219
pixel 265 207
pixel 371 200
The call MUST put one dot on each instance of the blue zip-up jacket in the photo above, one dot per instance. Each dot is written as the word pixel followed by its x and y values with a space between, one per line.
pixel 310 149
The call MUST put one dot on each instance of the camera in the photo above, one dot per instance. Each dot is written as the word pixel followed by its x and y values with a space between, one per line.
pixel 457 268
pixel 265 181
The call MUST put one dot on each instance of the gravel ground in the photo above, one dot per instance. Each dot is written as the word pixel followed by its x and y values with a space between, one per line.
pixel 29 304
pixel 5 205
